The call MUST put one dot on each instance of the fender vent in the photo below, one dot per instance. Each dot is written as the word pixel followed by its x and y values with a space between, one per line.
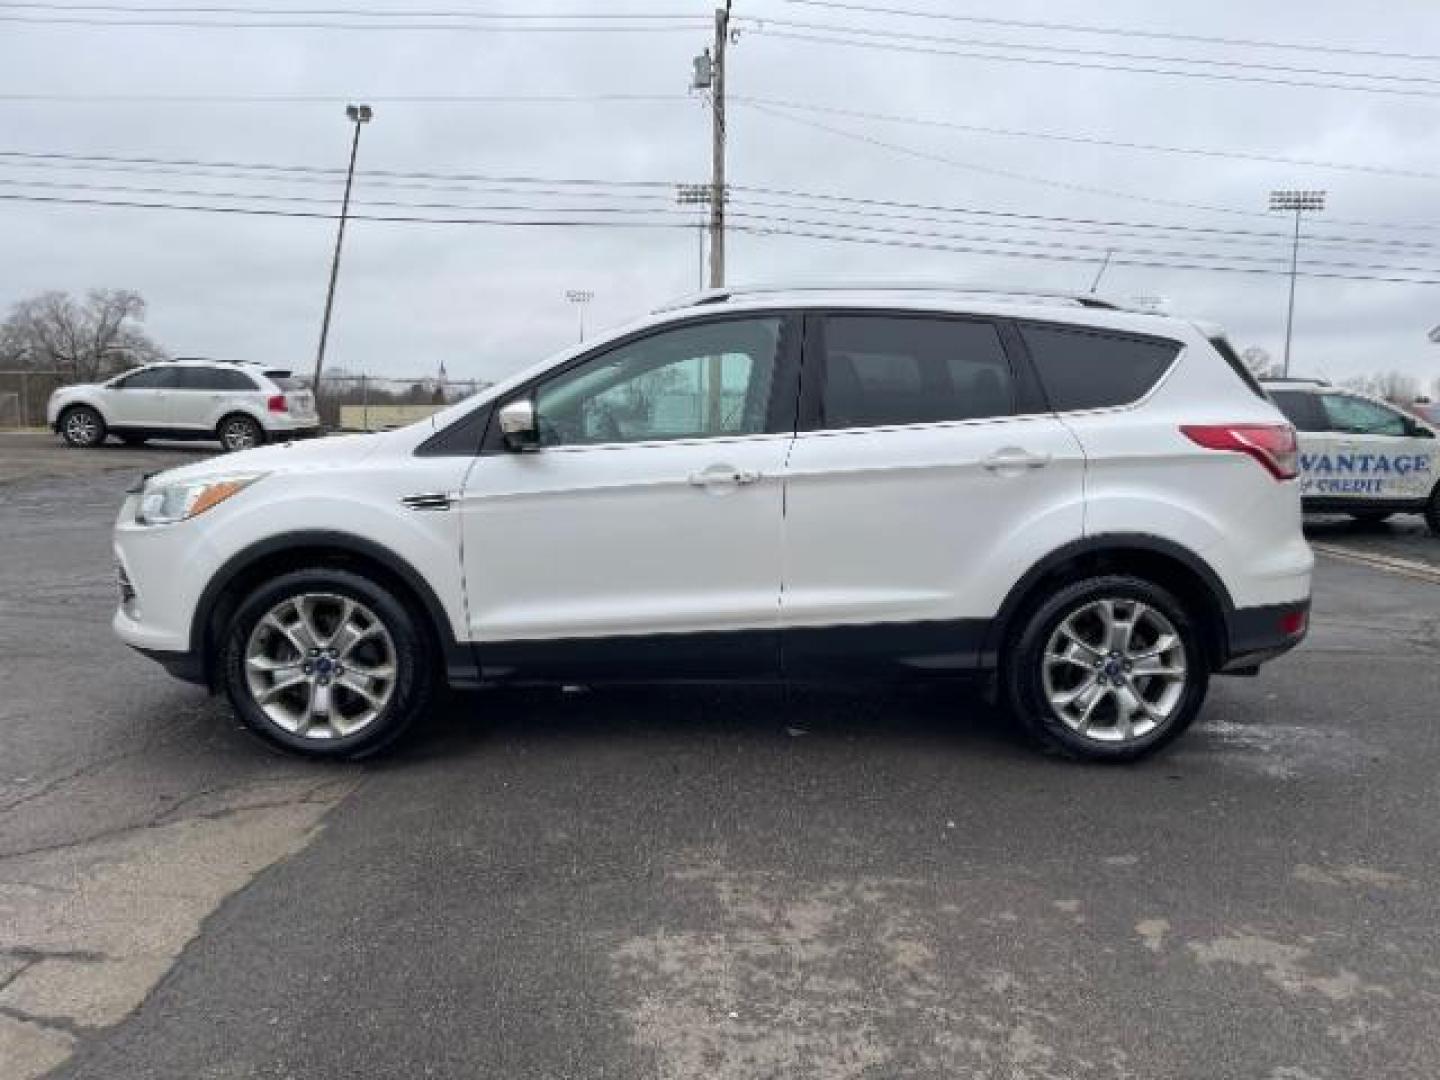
pixel 432 500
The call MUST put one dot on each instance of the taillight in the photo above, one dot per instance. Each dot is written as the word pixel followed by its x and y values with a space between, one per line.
pixel 276 403
pixel 1272 445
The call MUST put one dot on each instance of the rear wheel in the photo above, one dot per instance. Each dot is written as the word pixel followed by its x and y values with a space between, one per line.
pixel 1371 517
pixel 240 432
pixel 82 426
pixel 328 664
pixel 1108 669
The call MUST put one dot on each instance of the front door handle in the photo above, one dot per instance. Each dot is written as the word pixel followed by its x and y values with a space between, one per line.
pixel 1012 460
pixel 722 475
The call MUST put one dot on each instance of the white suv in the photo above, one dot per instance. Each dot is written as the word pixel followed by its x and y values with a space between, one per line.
pixel 241 405
pixel 1091 503
pixel 1359 455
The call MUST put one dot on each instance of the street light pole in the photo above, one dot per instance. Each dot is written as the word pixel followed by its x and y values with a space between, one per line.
pixel 358 115
pixel 1298 202
pixel 580 297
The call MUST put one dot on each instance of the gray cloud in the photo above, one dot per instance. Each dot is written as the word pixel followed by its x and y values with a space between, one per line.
pixel 485 300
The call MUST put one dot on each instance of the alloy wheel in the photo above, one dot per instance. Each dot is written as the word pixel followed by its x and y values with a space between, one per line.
pixel 1114 670
pixel 238 435
pixel 321 666
pixel 81 427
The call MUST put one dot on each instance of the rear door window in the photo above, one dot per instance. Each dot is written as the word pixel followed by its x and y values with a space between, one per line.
pixel 1084 369
pixel 1356 416
pixel 881 370
pixel 201 378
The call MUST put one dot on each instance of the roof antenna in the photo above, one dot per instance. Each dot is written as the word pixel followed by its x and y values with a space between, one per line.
pixel 1101 272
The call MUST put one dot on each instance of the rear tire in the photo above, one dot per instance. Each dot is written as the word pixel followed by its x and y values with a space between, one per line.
pixel 1432 511
pixel 239 432
pixel 328 664
pixel 1371 517
pixel 82 426
pixel 1072 674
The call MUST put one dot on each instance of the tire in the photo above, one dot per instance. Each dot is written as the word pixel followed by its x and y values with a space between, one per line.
pixel 1371 517
pixel 1036 678
pixel 267 644
pixel 239 432
pixel 82 426
pixel 1432 511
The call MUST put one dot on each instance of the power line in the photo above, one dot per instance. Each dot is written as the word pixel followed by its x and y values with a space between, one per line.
pixel 1090 140
pixel 767 226
pixel 931 50
pixel 366 12
pixel 634 189
pixel 331 99
pixel 317 24
pixel 1118 31
pixel 940 159
pixel 1199 61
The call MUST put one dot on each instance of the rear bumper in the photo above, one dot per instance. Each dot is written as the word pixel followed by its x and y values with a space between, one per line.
pixel 1255 635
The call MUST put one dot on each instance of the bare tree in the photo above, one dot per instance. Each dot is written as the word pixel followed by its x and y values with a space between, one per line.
pixel 1393 386
pixel 1260 362
pixel 81 339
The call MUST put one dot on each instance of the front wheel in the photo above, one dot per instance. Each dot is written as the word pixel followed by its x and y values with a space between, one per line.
pixel 328 664
pixel 1108 669
pixel 82 426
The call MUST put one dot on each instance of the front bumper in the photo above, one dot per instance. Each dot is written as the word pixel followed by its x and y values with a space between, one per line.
pixel 1256 635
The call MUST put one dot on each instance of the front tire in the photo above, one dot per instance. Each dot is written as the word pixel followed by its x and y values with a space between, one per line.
pixel 328 664
pixel 240 432
pixel 82 426
pixel 1432 511
pixel 1107 669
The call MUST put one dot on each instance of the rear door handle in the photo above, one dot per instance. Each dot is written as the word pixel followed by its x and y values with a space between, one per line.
pixel 1012 459
pixel 718 475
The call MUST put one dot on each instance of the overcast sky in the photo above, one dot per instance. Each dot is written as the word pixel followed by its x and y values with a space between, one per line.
pixel 486 299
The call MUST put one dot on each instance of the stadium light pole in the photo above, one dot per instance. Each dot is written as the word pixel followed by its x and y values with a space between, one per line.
pixel 358 115
pixel 1297 202
pixel 580 297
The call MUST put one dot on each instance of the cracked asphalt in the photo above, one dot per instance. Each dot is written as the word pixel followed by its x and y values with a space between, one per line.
pixel 740 882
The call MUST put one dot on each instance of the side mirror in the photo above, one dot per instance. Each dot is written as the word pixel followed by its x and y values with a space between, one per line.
pixel 518 426
pixel 1418 431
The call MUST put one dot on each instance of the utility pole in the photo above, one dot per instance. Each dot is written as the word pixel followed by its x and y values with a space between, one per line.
pixel 717 149
pixel 358 115
pixel 580 297
pixel 1299 202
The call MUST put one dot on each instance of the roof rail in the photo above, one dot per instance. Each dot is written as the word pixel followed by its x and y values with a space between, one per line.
pixel 1304 379
pixel 733 292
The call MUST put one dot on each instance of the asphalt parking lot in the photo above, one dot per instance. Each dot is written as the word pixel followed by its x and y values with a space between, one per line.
pixel 731 883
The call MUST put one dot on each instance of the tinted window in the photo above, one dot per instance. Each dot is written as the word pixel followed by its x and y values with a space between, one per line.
pixel 155 378
pixel 203 378
pixel 1356 416
pixel 1225 349
pixel 1080 369
pixel 888 369
pixel 1301 409
pixel 691 382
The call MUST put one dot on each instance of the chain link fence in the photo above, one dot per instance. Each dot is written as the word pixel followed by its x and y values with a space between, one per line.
pixel 347 402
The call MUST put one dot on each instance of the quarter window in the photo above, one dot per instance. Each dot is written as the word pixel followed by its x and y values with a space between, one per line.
pixel 1080 369
pixel 700 381
pixel 1301 409
pixel 882 370
pixel 1356 416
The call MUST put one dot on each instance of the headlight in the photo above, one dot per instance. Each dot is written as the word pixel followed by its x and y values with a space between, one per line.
pixel 165 504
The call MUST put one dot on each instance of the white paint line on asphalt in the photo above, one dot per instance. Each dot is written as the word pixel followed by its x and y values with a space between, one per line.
pixel 1407 568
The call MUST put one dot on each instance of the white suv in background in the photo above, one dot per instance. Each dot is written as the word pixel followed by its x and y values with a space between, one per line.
pixel 241 405
pixel 1098 506
pixel 1359 455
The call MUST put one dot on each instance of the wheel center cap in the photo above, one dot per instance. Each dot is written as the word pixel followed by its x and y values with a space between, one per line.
pixel 323 665
pixel 1114 668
